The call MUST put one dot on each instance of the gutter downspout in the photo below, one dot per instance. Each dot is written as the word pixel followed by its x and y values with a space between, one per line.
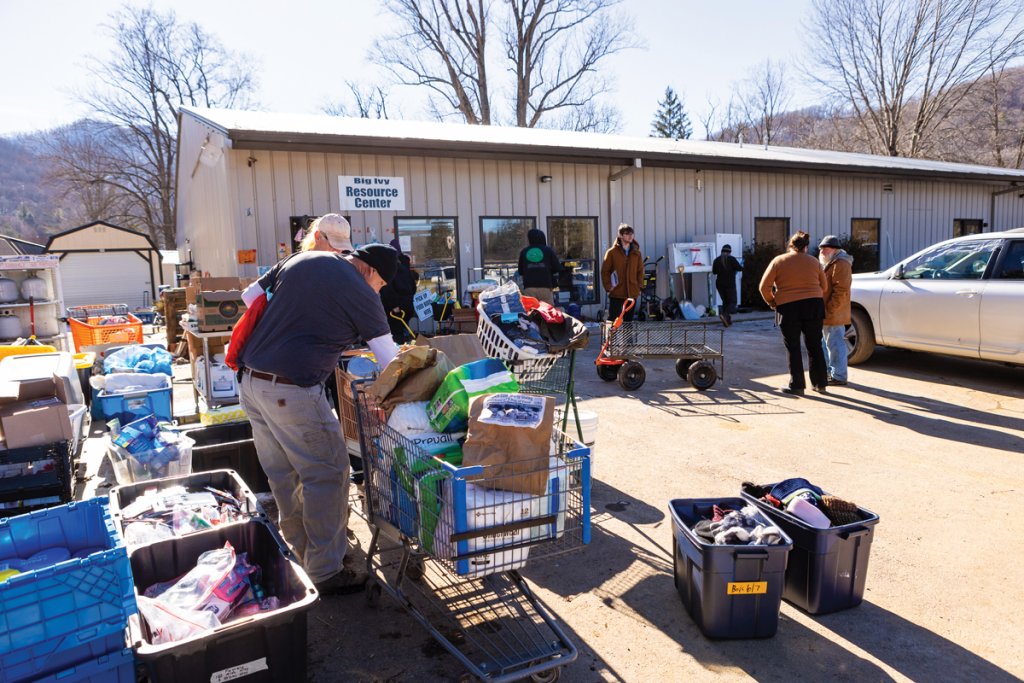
pixel 621 173
pixel 992 204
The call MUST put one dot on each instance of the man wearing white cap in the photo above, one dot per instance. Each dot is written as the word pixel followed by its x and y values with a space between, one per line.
pixel 330 232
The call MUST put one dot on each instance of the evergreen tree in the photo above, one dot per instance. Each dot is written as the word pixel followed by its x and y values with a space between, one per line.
pixel 671 120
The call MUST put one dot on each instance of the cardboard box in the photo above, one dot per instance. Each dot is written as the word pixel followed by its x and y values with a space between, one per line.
pixel 20 390
pixel 35 422
pixel 218 311
pixel 464 320
pixel 199 284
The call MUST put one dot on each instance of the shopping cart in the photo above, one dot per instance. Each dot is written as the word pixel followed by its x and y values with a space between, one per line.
pixel 448 542
pixel 696 346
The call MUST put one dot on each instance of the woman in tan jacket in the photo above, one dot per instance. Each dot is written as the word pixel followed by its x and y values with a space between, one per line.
pixel 622 272
pixel 794 286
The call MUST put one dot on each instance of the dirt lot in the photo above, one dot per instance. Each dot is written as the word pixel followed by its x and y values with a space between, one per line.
pixel 933 445
pixel 930 444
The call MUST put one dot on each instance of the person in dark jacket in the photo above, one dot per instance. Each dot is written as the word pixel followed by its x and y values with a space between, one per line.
pixel 724 269
pixel 397 295
pixel 539 266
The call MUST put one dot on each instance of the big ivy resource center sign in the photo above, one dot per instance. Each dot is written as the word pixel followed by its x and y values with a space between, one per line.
pixel 362 193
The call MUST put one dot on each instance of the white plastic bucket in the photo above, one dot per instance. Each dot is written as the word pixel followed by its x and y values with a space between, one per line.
pixel 588 425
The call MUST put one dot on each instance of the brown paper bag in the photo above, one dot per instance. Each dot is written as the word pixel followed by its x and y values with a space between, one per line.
pixel 460 348
pixel 413 375
pixel 517 456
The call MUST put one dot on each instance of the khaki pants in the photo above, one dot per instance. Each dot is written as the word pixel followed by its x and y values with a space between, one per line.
pixel 541 293
pixel 301 448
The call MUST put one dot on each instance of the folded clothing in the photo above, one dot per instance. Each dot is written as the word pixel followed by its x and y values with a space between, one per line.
pixel 738 527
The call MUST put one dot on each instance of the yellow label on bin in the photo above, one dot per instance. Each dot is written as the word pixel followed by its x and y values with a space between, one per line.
pixel 746 587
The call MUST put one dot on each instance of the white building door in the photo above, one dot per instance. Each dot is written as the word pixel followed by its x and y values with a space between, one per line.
pixel 112 277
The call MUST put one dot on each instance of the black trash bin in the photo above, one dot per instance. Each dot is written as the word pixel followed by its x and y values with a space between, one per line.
pixel 827 567
pixel 228 446
pixel 730 591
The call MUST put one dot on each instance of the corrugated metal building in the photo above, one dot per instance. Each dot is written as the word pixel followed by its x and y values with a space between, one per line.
pixel 469 193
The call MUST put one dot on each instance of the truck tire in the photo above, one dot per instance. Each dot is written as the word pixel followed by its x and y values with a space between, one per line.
pixel 860 338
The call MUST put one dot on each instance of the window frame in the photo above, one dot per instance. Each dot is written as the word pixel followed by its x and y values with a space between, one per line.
pixel 455 226
pixel 596 257
pixel 878 237
pixel 977 221
pixel 483 245
pixel 785 233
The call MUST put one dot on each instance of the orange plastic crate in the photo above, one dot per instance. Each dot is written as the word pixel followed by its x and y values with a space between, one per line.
pixel 90 333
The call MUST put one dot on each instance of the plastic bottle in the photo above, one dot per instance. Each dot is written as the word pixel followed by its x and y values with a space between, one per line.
pixel 804 510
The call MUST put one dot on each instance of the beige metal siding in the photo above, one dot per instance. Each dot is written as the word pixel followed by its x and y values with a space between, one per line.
pixel 99 237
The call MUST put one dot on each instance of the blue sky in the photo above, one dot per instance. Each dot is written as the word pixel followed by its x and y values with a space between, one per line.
pixel 307 50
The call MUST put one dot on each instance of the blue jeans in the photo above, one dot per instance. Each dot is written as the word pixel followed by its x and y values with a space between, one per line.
pixel 834 342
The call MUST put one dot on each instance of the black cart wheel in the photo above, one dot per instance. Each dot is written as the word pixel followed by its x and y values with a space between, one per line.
pixel 373 593
pixel 549 676
pixel 702 375
pixel 415 568
pixel 608 372
pixel 683 367
pixel 632 375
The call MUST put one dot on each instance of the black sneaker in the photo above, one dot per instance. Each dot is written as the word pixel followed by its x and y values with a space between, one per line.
pixel 791 391
pixel 822 389
pixel 837 382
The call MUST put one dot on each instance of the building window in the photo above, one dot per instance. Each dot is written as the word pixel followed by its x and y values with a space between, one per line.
pixel 432 246
pixel 966 226
pixel 773 231
pixel 574 239
pixel 865 233
pixel 502 239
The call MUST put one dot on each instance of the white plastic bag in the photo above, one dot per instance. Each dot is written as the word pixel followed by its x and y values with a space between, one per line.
pixel 169 624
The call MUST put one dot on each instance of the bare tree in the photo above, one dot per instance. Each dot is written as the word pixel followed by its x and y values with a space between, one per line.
pixel 157 65
pixel 370 102
pixel 762 98
pixel 904 66
pixel 442 44
pixel 552 49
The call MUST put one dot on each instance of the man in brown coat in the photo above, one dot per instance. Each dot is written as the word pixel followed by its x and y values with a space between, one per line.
pixel 838 267
pixel 622 272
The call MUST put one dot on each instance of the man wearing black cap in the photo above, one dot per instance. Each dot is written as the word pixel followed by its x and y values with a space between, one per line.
pixel 724 268
pixel 319 304
pixel 838 266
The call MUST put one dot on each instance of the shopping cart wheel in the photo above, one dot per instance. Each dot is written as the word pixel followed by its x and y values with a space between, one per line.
pixel 632 375
pixel 549 676
pixel 702 375
pixel 373 593
pixel 415 568
pixel 683 367
pixel 608 372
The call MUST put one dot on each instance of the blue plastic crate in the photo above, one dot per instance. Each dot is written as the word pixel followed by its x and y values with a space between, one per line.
pixel 114 667
pixel 69 604
pixel 45 663
pixel 132 406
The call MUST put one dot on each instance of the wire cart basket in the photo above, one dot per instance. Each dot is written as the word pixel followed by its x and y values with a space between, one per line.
pixel 697 347
pixel 448 542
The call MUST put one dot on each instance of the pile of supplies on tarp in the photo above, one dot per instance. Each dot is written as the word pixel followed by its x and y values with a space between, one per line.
pixel 148 449
pixel 178 511
pixel 441 417
pixel 222 587
pixel 533 326
pixel 807 502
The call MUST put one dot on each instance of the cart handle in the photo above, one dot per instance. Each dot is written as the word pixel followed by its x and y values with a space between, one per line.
pixel 401 319
pixel 626 308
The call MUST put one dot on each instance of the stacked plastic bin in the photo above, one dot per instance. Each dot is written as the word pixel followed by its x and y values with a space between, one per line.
pixel 64 610
pixel 152 395
pixel 270 645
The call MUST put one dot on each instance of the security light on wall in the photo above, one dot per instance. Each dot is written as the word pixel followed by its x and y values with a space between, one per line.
pixel 545 179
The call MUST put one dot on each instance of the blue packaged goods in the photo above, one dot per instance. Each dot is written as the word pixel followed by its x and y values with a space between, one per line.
pixel 448 410
pixel 53 615
pixel 139 358
pixel 503 299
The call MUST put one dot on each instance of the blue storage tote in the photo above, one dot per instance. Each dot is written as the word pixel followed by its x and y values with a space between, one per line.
pixel 153 398
pixel 730 591
pixel 70 604
pixel 58 664
pixel 112 667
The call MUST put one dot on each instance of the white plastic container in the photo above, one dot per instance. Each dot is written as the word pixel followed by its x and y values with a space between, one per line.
pixel 588 425
pixel 222 380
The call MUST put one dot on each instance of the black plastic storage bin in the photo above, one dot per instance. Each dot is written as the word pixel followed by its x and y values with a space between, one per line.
pixel 827 567
pixel 223 480
pixel 266 647
pixel 228 446
pixel 55 482
pixel 730 591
